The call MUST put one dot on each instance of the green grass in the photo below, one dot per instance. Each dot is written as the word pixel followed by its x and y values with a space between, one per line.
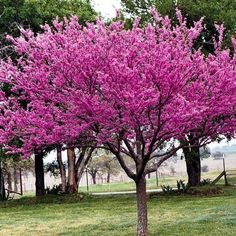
pixel 116 215
pixel 151 183
pixel 129 186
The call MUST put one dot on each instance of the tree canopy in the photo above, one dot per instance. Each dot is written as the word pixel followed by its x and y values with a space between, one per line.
pixel 128 91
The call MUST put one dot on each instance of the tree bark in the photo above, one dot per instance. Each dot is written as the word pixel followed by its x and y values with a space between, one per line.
pixel 39 174
pixel 193 165
pixel 81 164
pixel 2 188
pixel 15 176
pixel 80 170
pixel 9 180
pixel 62 169
pixel 94 178
pixel 79 173
pixel 108 176
pixel 141 207
pixel 71 184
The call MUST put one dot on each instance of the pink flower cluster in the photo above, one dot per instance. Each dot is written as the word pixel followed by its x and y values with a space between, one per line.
pixel 132 90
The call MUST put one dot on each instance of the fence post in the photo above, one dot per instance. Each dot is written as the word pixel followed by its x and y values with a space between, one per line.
pixel 225 175
pixel 21 184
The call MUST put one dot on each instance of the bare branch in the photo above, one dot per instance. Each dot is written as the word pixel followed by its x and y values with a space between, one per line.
pixel 116 152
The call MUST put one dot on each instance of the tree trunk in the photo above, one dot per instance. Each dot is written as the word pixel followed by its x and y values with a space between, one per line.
pixel 94 178
pixel 71 184
pixel 193 164
pixel 62 169
pixel 2 188
pixel 80 171
pixel 108 176
pixel 39 174
pixel 15 176
pixel 81 165
pixel 9 180
pixel 141 207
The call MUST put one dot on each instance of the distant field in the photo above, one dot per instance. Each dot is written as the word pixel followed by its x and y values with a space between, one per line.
pixel 116 215
pixel 151 183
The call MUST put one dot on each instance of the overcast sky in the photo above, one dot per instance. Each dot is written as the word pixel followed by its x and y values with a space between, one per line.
pixel 106 7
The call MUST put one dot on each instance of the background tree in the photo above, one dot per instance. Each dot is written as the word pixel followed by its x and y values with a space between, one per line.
pixel 83 156
pixel 71 175
pixel 5 159
pixel 103 163
pixel 77 159
pixel 13 167
pixel 205 152
pixel 34 13
pixel 109 166
pixel 53 168
pixel 217 155
pixel 94 168
pixel 215 11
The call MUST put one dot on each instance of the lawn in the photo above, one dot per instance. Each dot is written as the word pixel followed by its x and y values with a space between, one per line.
pixel 116 215
pixel 151 183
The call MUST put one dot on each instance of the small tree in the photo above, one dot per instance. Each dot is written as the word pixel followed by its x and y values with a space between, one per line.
pixel 12 167
pixel 103 163
pixel 205 168
pixel 172 170
pixel 217 155
pixel 94 167
pixel 205 152
pixel 110 166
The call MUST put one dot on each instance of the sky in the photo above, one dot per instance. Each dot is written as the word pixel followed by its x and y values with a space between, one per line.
pixel 106 7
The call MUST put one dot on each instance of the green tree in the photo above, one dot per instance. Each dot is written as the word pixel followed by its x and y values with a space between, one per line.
pixel 11 169
pixel 109 165
pixel 214 11
pixel 3 159
pixel 103 163
pixel 33 13
pixel 94 167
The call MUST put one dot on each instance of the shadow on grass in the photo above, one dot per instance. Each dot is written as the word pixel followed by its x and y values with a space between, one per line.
pixel 48 199
pixel 123 199
pixel 51 199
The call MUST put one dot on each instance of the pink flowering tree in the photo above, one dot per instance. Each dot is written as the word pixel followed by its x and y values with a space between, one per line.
pixel 129 91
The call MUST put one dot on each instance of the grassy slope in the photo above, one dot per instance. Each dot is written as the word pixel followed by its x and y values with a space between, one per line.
pixel 116 216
